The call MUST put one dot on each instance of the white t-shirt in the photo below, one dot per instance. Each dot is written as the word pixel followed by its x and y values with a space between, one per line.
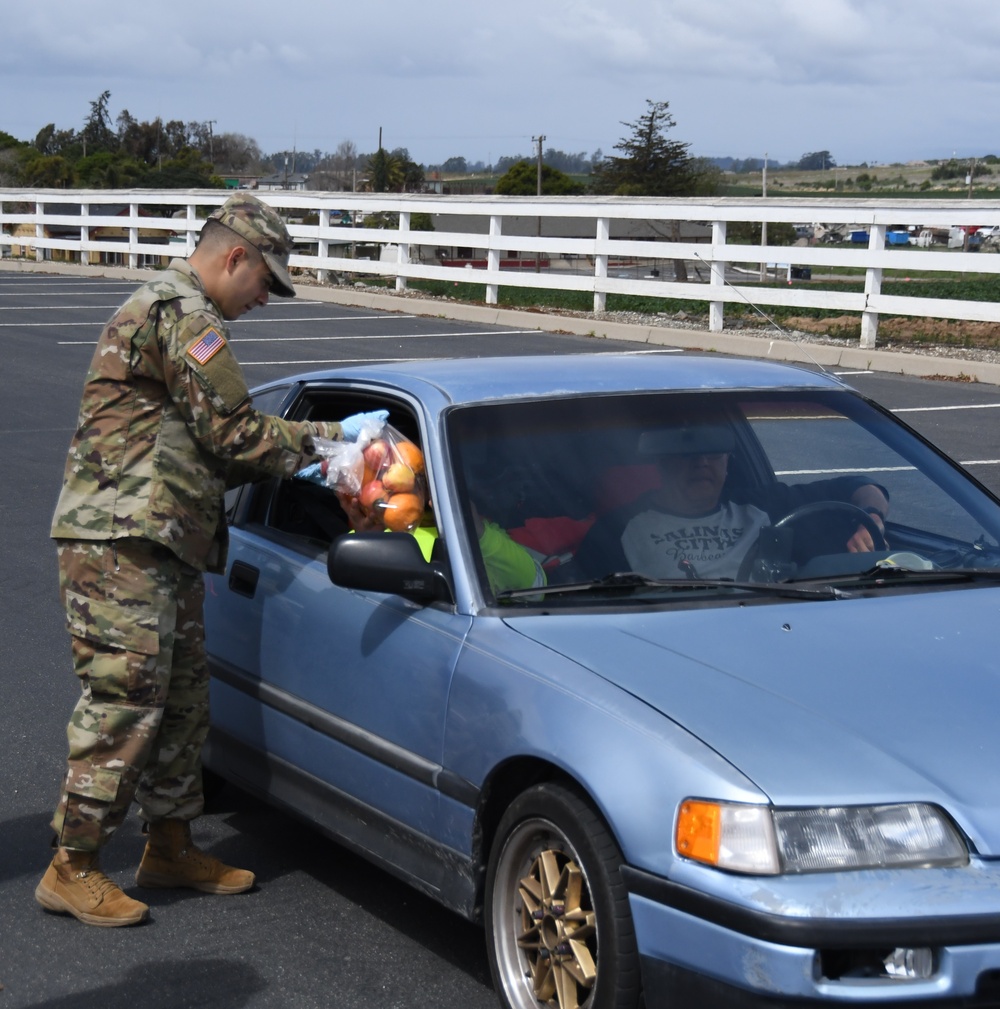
pixel 715 544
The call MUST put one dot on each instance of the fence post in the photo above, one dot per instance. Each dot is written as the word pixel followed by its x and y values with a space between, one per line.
pixel 39 231
pixel 873 286
pixel 402 248
pixel 601 261
pixel 133 237
pixel 84 234
pixel 493 258
pixel 190 236
pixel 323 244
pixel 717 280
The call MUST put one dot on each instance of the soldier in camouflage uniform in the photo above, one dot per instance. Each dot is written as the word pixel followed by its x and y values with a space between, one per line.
pixel 166 425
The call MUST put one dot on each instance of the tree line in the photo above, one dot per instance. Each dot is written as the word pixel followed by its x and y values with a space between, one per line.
pixel 158 154
pixel 127 153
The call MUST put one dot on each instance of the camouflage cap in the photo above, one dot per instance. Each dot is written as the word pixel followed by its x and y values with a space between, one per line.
pixel 260 226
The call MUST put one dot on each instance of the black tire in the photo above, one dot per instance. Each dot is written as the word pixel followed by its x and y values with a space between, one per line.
pixel 554 874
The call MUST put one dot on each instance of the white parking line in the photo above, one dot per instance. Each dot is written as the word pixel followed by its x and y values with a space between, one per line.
pixel 257 320
pixel 835 472
pixel 34 289
pixel 108 308
pixel 931 409
pixel 333 339
pixel 878 469
pixel 283 322
pixel 44 325
pixel 55 308
pixel 381 360
pixel 377 336
pixel 334 361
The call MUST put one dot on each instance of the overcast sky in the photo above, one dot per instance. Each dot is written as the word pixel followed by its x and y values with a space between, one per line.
pixel 874 81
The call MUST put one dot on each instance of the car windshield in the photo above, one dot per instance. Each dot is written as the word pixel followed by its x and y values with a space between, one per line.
pixel 711 493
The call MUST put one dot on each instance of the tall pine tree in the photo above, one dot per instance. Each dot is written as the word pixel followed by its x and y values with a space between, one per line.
pixel 649 163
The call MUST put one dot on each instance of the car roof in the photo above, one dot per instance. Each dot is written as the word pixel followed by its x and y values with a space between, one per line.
pixel 468 380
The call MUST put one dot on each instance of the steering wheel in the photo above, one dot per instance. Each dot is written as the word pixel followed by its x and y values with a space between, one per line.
pixel 845 508
pixel 842 510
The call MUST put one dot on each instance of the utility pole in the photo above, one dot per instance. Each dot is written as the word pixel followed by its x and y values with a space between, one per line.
pixel 211 142
pixel 539 141
pixel 972 175
pixel 538 255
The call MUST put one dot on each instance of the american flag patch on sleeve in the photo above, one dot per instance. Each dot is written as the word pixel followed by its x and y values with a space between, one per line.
pixel 206 346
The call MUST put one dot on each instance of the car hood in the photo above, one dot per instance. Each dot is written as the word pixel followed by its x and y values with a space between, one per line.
pixel 836 702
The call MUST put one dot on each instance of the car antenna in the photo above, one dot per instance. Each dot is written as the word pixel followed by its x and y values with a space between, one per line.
pixel 766 317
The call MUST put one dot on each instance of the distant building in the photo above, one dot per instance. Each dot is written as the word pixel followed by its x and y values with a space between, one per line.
pixel 284 180
pixel 110 233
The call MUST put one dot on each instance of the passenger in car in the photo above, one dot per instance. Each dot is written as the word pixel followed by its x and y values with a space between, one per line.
pixel 685 529
pixel 508 564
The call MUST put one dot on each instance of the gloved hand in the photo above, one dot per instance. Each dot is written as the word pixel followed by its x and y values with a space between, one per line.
pixel 351 426
pixel 313 473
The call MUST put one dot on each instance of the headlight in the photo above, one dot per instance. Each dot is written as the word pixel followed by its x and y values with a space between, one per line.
pixel 759 839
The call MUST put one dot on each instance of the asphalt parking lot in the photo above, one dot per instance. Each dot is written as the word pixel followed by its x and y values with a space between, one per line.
pixel 323 928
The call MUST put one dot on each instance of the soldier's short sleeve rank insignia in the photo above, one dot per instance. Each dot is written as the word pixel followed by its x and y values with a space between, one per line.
pixel 206 346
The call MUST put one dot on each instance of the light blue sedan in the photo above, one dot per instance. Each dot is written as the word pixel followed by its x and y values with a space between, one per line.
pixel 690 696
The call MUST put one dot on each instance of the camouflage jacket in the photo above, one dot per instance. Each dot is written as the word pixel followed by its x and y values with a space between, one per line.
pixel 166 424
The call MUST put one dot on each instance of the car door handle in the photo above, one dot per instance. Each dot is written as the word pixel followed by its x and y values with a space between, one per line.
pixel 243 579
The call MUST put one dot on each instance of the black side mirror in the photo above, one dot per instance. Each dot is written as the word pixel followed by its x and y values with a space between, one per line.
pixel 388 562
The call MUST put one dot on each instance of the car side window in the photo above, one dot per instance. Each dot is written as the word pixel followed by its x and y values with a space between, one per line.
pixel 306 514
pixel 267 401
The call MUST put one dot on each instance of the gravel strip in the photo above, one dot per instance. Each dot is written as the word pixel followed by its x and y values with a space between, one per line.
pixel 765 331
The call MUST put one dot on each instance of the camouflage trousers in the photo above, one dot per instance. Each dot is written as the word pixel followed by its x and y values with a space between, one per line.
pixel 135 614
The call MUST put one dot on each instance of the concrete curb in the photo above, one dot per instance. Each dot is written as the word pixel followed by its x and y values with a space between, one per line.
pixel 776 349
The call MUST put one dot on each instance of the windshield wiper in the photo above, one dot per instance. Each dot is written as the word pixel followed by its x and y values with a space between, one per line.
pixel 631 580
pixel 893 574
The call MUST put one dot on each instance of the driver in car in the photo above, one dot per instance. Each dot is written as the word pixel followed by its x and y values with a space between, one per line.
pixel 683 529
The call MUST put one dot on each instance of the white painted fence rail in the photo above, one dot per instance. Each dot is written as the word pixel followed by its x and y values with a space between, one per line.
pixel 578 232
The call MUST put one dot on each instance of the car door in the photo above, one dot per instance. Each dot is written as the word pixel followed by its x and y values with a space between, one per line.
pixel 341 693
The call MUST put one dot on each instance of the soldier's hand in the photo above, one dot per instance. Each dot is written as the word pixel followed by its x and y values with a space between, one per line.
pixel 352 426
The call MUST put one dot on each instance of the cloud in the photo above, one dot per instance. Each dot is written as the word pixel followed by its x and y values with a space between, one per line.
pixel 889 78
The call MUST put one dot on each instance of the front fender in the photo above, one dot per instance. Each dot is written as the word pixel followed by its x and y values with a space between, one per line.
pixel 513 699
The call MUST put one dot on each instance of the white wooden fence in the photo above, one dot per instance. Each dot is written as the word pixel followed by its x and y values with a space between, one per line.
pixel 98 226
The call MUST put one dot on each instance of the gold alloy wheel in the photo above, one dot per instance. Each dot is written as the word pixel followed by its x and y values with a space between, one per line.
pixel 558 930
pixel 544 918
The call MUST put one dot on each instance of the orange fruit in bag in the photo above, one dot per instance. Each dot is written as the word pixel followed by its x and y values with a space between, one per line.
pixel 407 452
pixel 401 512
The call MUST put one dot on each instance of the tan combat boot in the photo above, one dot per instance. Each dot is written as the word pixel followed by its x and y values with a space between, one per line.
pixel 74 884
pixel 172 860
